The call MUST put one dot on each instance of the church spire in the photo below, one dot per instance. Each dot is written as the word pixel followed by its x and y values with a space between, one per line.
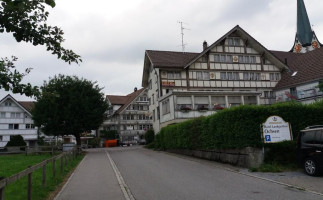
pixel 305 39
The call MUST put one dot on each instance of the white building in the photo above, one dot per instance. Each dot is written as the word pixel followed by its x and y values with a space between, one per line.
pixel 129 115
pixel 15 119
pixel 234 70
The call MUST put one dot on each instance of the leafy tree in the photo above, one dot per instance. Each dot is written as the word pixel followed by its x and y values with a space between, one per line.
pixel 15 141
pixel 27 21
pixel 69 105
pixel 149 136
pixel 109 135
pixel 321 86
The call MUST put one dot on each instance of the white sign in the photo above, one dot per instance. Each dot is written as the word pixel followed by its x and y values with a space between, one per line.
pixel 275 129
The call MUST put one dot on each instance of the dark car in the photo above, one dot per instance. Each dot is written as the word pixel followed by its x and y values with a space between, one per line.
pixel 310 148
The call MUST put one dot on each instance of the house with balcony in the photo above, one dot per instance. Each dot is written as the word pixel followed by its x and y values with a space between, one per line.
pixel 234 70
pixel 129 115
pixel 16 119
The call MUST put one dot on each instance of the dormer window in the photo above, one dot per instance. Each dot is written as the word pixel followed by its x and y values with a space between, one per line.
pixel 7 103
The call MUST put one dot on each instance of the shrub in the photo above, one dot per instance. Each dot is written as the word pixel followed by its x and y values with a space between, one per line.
pixel 149 136
pixel 16 140
pixel 109 135
pixel 236 127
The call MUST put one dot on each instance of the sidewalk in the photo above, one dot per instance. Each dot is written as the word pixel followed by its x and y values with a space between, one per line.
pixel 93 179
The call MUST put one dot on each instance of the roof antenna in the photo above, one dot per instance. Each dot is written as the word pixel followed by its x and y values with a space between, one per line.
pixel 182 33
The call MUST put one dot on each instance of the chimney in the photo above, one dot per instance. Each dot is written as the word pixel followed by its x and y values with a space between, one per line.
pixel 204 45
pixel 135 89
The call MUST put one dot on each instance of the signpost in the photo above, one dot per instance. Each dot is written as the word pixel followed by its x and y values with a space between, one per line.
pixel 275 129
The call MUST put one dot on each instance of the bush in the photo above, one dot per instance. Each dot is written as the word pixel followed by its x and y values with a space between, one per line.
pixel 95 142
pixel 149 136
pixel 109 135
pixel 16 140
pixel 236 127
pixel 282 153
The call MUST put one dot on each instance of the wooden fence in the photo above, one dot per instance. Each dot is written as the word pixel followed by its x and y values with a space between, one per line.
pixel 29 150
pixel 65 158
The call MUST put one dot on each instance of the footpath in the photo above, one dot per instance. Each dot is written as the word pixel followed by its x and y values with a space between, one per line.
pixel 93 179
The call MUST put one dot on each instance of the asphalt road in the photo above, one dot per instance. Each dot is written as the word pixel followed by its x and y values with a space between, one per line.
pixel 152 175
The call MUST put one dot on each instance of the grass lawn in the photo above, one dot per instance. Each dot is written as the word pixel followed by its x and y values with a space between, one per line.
pixel 13 164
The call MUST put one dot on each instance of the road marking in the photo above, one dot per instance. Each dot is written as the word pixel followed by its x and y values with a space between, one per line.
pixel 63 188
pixel 124 188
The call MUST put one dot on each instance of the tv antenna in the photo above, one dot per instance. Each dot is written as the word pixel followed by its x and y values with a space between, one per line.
pixel 182 33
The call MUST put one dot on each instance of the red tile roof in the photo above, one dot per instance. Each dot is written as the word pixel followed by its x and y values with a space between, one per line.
pixel 130 98
pixel 117 100
pixel 309 67
pixel 28 105
pixel 124 101
pixel 171 59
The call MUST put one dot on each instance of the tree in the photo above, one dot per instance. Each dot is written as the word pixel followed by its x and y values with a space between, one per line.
pixel 109 135
pixel 15 141
pixel 320 86
pixel 149 136
pixel 27 21
pixel 69 105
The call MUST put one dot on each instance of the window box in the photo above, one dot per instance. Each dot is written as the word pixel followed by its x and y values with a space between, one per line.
pixel 185 109
pixel 202 108
pixel 218 107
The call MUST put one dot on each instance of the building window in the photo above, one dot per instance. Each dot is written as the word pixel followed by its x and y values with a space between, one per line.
pixel 247 59
pixel 143 98
pixel 7 103
pixel 274 76
pixel 229 76
pixel 217 58
pixel 251 76
pixel 202 75
pixel 15 115
pixel 174 75
pixel 2 115
pixel 166 107
pixel 13 126
pixel 150 85
pixel 153 97
pixel 30 126
pixel 233 41
pixel 1 138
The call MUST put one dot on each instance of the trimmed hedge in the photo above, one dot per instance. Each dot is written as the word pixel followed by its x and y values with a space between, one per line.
pixel 236 127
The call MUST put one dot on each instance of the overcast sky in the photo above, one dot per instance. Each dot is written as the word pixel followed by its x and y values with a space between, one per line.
pixel 112 36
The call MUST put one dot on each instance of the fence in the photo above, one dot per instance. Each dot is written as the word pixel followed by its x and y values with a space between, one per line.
pixel 28 150
pixel 65 158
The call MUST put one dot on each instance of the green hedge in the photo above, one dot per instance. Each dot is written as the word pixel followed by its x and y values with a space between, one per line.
pixel 236 127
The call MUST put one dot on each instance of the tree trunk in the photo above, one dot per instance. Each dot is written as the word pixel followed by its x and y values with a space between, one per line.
pixel 78 139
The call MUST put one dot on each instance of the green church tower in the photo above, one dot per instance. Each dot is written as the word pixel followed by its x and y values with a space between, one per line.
pixel 305 39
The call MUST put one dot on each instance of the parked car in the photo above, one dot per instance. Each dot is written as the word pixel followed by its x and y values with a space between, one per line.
pixel 310 149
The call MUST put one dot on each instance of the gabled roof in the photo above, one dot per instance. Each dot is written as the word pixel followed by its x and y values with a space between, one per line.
pixel 117 100
pixel 24 105
pixel 170 59
pixel 309 68
pixel 251 41
pixel 124 101
pixel 131 98
pixel 28 105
